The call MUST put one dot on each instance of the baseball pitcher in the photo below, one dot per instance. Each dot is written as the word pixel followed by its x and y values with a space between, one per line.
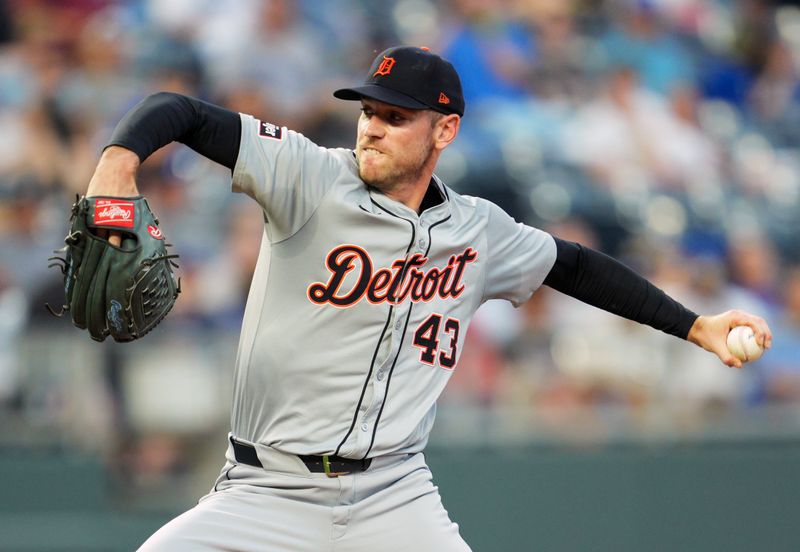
pixel 376 267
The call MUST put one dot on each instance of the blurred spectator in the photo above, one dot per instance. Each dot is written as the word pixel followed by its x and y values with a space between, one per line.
pixel 6 31
pixel 284 60
pixel 102 79
pixel 774 100
pixel 13 314
pixel 219 283
pixel 481 364
pixel 754 23
pixel 779 370
pixel 638 38
pixel 755 266
pixel 631 138
pixel 559 72
pixel 492 53
pixel 776 91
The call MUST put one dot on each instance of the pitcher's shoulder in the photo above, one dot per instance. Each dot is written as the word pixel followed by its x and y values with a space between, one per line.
pixel 476 206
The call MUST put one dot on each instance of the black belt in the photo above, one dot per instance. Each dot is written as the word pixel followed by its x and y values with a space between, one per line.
pixel 332 466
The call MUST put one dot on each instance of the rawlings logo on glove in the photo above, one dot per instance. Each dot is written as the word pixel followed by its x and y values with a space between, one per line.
pixel 114 213
pixel 122 291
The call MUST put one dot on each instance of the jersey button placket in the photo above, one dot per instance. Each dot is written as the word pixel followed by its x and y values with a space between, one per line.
pixel 399 323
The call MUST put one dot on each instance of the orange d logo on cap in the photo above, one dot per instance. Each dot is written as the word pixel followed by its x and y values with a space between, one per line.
pixel 385 67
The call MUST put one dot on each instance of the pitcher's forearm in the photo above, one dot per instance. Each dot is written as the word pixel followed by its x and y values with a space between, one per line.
pixel 115 174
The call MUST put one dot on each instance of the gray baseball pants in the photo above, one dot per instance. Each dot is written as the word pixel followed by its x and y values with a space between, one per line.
pixel 391 507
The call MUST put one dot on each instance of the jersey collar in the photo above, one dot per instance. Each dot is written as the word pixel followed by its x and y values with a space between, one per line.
pixel 435 204
pixel 433 197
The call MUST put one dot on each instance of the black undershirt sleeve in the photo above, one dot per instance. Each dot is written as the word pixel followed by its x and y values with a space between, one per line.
pixel 165 117
pixel 604 282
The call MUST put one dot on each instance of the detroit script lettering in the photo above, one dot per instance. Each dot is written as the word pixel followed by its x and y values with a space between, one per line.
pixel 404 279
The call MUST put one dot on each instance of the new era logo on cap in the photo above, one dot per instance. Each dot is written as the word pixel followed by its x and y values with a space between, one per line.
pixel 411 77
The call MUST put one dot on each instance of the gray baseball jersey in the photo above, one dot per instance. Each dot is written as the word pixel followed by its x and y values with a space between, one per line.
pixel 359 306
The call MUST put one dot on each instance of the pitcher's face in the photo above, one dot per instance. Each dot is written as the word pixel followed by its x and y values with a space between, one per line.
pixel 393 144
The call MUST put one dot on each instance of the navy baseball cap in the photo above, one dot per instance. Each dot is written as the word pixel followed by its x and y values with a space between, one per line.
pixel 410 77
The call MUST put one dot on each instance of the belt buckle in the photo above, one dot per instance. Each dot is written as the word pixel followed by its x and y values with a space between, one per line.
pixel 326 465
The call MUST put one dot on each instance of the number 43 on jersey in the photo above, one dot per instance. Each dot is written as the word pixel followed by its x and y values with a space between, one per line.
pixel 427 338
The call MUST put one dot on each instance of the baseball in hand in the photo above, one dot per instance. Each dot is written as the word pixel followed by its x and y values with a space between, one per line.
pixel 743 345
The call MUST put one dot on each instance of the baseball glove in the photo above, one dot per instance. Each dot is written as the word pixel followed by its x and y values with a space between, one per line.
pixel 123 291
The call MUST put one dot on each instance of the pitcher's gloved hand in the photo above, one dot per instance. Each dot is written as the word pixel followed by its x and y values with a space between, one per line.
pixel 123 291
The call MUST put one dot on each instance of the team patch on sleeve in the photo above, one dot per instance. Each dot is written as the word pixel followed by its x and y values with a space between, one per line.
pixel 268 130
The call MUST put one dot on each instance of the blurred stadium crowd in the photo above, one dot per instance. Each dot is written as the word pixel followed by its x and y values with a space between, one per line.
pixel 664 132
